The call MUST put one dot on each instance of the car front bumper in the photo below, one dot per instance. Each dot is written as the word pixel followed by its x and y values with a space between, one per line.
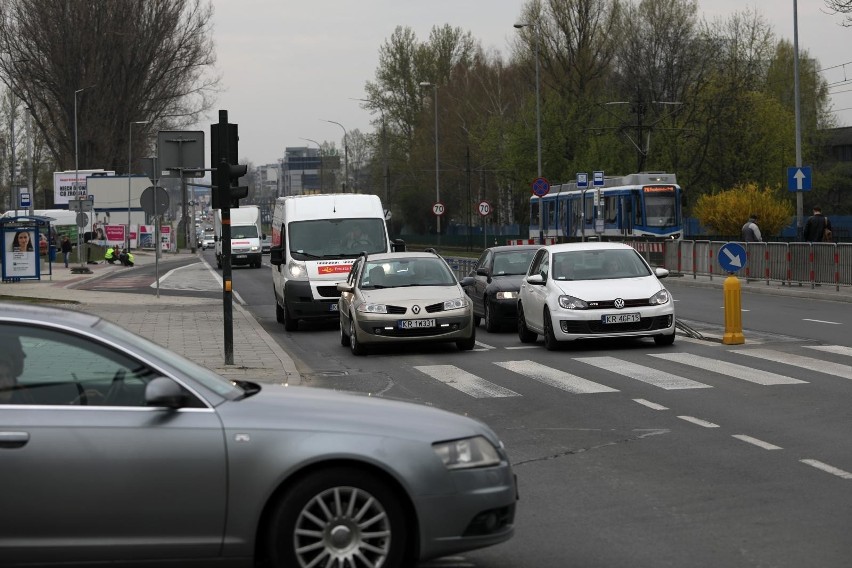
pixel 569 325
pixel 384 328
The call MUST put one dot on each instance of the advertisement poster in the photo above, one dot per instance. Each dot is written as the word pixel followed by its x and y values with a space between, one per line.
pixel 72 184
pixel 114 234
pixel 21 254
pixel 146 236
pixel 166 238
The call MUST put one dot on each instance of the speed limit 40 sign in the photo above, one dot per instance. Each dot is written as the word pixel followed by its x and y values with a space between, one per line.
pixel 484 208
pixel 438 209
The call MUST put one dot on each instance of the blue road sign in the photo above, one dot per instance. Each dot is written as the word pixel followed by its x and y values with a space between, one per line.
pixel 582 179
pixel 25 199
pixel 598 178
pixel 540 187
pixel 732 257
pixel 799 179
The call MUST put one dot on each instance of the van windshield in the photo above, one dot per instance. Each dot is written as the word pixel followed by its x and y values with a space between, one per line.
pixel 336 238
pixel 244 232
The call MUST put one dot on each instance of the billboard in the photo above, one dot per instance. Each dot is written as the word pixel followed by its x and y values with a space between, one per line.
pixel 65 188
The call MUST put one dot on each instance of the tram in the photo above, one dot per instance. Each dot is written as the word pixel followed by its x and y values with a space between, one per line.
pixel 644 205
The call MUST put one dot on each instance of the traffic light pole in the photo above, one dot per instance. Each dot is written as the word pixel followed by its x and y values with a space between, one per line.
pixel 222 184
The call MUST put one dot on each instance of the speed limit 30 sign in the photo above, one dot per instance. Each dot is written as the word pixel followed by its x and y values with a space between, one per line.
pixel 438 209
pixel 484 208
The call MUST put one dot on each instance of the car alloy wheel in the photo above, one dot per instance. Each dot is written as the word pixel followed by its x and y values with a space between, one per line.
pixel 524 334
pixel 355 345
pixel 550 342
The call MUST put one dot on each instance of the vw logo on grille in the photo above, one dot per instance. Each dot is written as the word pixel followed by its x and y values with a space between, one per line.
pixel 416 309
pixel 618 303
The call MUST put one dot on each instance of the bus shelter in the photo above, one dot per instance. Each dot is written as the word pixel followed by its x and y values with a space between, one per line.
pixel 22 249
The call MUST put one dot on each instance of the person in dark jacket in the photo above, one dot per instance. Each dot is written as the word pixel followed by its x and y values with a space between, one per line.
pixel 751 232
pixel 814 231
pixel 66 249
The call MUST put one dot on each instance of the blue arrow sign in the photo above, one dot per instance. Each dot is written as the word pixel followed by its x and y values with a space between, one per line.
pixel 799 179
pixel 732 257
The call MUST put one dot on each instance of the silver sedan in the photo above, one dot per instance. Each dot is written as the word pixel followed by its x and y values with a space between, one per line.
pixel 113 448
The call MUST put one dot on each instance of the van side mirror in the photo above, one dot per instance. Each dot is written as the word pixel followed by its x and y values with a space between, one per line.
pixel 398 245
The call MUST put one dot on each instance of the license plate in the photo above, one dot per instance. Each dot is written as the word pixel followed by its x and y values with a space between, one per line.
pixel 411 324
pixel 621 318
pixel 242 256
pixel 332 307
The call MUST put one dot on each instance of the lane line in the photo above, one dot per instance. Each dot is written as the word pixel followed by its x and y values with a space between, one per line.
pixel 836 349
pixel 756 442
pixel 822 321
pixel 523 347
pixel 649 404
pixel 642 373
pixel 465 382
pixel 699 422
pixel 731 369
pixel 828 468
pixel 809 363
pixel 554 377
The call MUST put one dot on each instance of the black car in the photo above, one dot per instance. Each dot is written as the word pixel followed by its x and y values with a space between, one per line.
pixel 493 285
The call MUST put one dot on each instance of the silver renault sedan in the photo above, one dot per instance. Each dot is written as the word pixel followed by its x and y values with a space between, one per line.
pixel 115 449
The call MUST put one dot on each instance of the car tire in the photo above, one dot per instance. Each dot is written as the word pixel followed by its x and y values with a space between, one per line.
pixel 664 339
pixel 334 515
pixel 491 326
pixel 550 342
pixel 279 313
pixel 476 321
pixel 344 339
pixel 355 345
pixel 524 333
pixel 469 343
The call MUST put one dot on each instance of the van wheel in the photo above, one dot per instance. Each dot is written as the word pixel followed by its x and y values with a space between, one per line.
pixel 290 323
pixel 279 312
pixel 524 334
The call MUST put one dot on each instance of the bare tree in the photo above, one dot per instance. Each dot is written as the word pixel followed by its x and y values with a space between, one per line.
pixel 100 65
pixel 841 7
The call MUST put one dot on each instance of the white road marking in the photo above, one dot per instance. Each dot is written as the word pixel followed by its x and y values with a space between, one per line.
pixel 828 468
pixel 822 321
pixel 524 347
pixel 649 404
pixel 730 369
pixel 554 377
pixel 484 346
pixel 699 422
pixel 836 349
pixel 809 363
pixel 465 382
pixel 756 442
pixel 648 375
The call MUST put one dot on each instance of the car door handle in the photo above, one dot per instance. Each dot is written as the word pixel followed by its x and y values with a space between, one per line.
pixel 12 440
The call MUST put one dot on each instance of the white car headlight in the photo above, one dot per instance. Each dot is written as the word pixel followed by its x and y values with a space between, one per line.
pixel 660 298
pixel 455 304
pixel 506 295
pixel 254 249
pixel 373 308
pixel 467 453
pixel 572 303
pixel 297 270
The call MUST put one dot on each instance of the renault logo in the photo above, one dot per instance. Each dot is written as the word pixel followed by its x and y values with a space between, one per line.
pixel 416 309
pixel 619 303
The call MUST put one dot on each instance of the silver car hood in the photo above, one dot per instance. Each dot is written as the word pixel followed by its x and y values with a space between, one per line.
pixel 627 288
pixel 278 407
pixel 413 294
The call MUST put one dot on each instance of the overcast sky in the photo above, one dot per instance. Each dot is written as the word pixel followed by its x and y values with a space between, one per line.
pixel 287 66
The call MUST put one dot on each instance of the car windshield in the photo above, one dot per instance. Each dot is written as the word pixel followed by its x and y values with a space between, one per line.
pixel 598 265
pixel 398 273
pixel 336 238
pixel 512 262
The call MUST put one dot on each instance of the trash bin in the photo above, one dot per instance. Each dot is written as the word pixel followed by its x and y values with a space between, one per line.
pixel 52 253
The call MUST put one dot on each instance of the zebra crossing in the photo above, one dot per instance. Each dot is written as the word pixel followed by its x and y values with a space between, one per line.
pixel 572 376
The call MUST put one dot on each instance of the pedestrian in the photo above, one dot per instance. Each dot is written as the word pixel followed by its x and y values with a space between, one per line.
pixel 751 232
pixel 109 255
pixel 66 249
pixel 817 228
pixel 126 257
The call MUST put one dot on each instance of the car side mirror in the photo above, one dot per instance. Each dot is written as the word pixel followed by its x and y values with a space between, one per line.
pixel 661 272
pixel 482 271
pixel 276 256
pixel 398 245
pixel 467 281
pixel 536 279
pixel 345 287
pixel 164 392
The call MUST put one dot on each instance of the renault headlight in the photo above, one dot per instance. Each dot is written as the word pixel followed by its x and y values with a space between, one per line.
pixel 572 303
pixel 373 308
pixel 660 298
pixel 467 453
pixel 297 270
pixel 455 304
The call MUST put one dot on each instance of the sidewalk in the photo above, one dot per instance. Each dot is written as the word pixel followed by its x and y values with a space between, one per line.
pixel 190 326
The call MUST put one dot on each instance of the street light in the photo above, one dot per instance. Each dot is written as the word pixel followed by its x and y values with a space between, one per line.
pixel 129 162
pixel 319 148
pixel 437 177
pixel 536 33
pixel 384 152
pixel 345 154
pixel 77 169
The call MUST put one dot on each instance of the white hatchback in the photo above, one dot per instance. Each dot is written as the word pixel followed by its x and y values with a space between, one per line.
pixel 590 290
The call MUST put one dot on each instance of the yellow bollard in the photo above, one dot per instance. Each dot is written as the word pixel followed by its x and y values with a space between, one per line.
pixel 733 312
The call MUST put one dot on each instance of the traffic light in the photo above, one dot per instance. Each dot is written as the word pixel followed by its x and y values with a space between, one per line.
pixel 223 157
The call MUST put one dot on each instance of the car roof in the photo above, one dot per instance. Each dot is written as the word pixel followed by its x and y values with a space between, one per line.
pixel 19 312
pixel 510 248
pixel 586 245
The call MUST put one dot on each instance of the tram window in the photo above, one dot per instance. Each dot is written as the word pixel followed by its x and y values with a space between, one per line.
pixel 637 215
pixel 660 210
pixel 611 209
pixel 590 208
pixel 534 208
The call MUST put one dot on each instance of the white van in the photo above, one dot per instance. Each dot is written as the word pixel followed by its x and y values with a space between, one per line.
pixel 245 236
pixel 315 240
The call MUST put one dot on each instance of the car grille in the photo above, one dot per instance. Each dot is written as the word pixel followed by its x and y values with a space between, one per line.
pixel 396 309
pixel 328 291
pixel 435 308
pixel 610 304
pixel 595 326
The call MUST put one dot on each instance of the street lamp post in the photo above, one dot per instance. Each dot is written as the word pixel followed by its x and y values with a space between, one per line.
pixel 345 155
pixel 77 168
pixel 319 151
pixel 437 167
pixel 536 33
pixel 129 162
pixel 384 154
